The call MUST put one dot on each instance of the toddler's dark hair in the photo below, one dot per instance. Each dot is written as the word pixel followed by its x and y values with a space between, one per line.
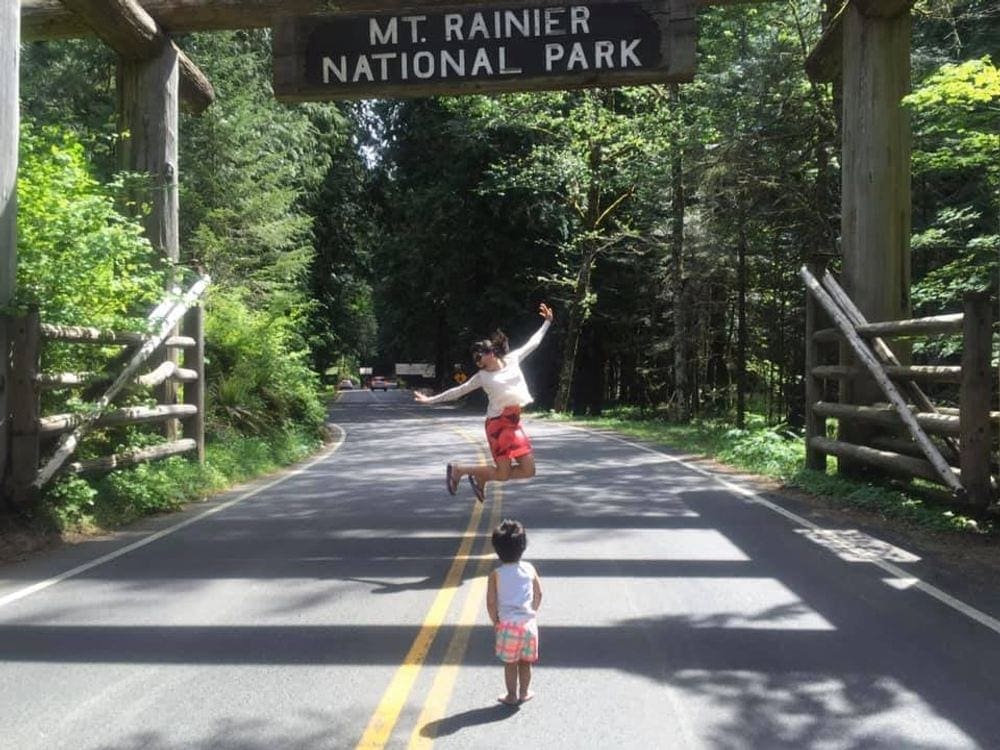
pixel 497 343
pixel 510 540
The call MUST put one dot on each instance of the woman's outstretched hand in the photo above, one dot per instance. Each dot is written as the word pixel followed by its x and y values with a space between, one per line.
pixel 421 398
pixel 545 311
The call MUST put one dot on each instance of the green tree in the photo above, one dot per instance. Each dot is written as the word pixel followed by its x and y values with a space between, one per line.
pixel 957 153
pixel 81 262
pixel 342 323
pixel 452 260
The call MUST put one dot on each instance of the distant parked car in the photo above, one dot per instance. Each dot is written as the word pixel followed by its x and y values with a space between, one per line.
pixel 346 385
pixel 379 383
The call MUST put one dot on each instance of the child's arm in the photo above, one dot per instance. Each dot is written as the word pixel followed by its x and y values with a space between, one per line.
pixel 491 598
pixel 536 596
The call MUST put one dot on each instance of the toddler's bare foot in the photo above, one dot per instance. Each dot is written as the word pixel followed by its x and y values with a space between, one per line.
pixel 526 697
pixel 508 700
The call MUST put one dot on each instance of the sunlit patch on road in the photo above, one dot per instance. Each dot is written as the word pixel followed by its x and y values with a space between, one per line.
pixel 852 545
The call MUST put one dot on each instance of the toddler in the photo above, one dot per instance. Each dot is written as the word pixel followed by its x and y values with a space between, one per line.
pixel 513 596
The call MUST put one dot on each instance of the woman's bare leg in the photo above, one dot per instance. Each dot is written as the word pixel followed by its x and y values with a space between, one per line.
pixel 501 472
pixel 483 473
pixel 524 468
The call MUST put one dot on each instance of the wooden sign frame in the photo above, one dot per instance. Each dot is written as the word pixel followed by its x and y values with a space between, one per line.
pixel 516 46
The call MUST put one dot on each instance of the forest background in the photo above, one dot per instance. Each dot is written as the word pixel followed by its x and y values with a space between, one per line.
pixel 665 224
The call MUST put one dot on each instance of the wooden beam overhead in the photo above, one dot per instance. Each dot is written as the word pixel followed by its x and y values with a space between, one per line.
pixel 122 24
pixel 48 19
pixel 823 62
pixel 883 8
pixel 135 35
pixel 196 91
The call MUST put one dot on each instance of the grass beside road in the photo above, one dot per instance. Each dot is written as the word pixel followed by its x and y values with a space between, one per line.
pixel 79 505
pixel 779 454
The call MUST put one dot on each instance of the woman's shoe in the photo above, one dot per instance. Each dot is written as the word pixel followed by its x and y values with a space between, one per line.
pixel 479 489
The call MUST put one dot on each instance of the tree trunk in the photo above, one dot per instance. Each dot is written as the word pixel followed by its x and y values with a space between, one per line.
pixel 741 331
pixel 576 317
pixel 9 122
pixel 147 111
pixel 578 308
pixel 677 207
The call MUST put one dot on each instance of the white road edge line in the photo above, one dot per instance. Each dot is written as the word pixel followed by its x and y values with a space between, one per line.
pixel 753 496
pixel 41 585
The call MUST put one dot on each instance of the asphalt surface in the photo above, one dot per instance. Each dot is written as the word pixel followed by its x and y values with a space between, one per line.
pixel 342 604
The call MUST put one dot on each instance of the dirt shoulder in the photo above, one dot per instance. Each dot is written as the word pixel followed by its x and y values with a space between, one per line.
pixel 18 542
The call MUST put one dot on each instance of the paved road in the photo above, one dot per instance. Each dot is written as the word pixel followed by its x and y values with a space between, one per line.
pixel 342 604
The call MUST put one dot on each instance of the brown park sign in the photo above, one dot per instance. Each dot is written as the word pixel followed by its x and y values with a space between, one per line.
pixel 515 47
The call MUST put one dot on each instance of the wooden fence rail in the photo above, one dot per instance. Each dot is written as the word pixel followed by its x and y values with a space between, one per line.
pixel 962 459
pixel 26 474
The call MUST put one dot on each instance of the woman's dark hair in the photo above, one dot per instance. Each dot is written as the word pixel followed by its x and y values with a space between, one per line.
pixel 510 540
pixel 497 344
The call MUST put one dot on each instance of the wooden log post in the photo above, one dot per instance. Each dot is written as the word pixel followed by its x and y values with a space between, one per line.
pixel 815 423
pixel 872 364
pixel 147 107
pixel 882 351
pixel 171 317
pixel 875 186
pixel 194 393
pixel 976 393
pixel 10 24
pixel 24 445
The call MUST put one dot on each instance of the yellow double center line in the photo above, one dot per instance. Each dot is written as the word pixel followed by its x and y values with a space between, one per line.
pixel 383 720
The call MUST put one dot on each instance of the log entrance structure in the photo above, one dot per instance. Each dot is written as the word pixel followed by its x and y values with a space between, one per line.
pixel 865 49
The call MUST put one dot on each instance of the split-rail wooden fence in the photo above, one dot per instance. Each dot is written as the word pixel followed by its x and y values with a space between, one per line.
pixel 41 446
pixel 909 435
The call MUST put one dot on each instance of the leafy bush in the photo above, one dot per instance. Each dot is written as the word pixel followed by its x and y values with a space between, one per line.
pixel 79 260
pixel 258 381
pixel 763 451
pixel 84 263
pixel 70 502
pixel 125 495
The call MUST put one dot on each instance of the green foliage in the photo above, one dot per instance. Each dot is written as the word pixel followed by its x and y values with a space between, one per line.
pixel 957 157
pixel 888 503
pixel 630 208
pixel 80 260
pixel 342 323
pixel 257 377
pixel 71 502
pixel 125 495
pixel 248 162
pixel 450 263
pixel 71 84
pixel 763 451
pixel 955 119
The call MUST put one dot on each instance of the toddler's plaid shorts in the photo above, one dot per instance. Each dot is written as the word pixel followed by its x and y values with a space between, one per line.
pixel 517 641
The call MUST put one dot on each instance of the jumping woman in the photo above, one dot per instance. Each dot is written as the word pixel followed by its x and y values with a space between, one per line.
pixel 500 376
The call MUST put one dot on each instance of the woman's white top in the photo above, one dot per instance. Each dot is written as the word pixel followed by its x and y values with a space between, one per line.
pixel 504 387
pixel 515 591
